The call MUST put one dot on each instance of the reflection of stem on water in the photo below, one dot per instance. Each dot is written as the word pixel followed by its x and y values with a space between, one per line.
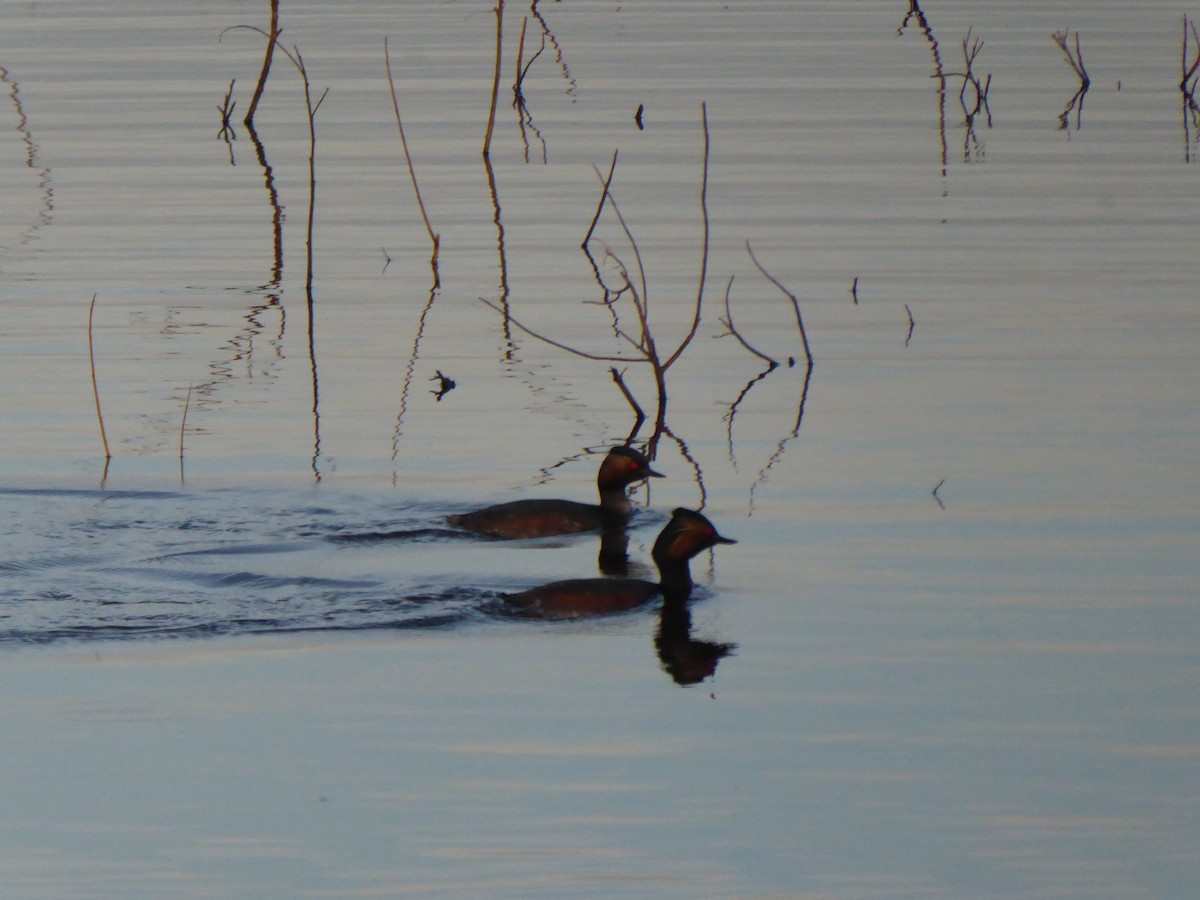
pixel 548 35
pixel 778 454
pixel 914 12
pixel 46 189
pixel 697 472
pixel 971 50
pixel 409 370
pixel 501 304
pixel 1187 89
pixel 524 116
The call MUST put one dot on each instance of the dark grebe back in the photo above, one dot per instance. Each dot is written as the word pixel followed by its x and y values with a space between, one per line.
pixel 535 518
pixel 687 534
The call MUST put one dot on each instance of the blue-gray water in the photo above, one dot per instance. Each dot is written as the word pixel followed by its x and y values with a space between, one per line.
pixel 964 597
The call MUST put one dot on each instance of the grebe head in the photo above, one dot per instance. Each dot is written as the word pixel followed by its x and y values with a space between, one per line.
pixel 687 534
pixel 622 467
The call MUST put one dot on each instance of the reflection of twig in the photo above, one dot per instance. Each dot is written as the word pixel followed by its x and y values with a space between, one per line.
pixel 524 116
pixel 971 50
pixel 95 388
pixel 503 307
pixel 1075 61
pixel 733 409
pixel 778 454
pixel 911 325
pixel 436 239
pixel 914 12
pixel 547 34
pixel 1187 88
pixel 409 369
pixel 937 487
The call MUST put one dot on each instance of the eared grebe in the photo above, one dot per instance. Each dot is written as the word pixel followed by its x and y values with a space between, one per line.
pixel 687 534
pixel 535 518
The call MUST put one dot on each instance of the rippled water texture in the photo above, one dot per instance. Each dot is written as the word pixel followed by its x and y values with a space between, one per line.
pixel 954 651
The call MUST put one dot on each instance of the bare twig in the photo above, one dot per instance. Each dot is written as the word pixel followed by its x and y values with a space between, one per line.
pixel 435 238
pixel 487 138
pixel 272 39
pixel 600 206
pixel 187 402
pixel 727 321
pixel 1074 60
pixel 640 417
pixel 911 325
pixel 226 110
pixel 792 297
pixel 703 248
pixel 95 388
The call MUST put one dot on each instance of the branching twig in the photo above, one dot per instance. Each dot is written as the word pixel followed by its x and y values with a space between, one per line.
pixel 727 321
pixel 795 303
pixel 226 110
pixel 703 248
pixel 1075 61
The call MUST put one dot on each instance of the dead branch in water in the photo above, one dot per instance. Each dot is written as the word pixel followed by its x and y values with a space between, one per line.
pixel 1075 61
pixel 272 40
pixel 95 388
pixel 727 321
pixel 435 238
pixel 792 297
pixel 487 138
pixel 226 110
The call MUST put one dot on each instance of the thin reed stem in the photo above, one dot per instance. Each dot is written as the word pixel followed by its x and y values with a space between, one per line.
pixel 272 39
pixel 487 138
pixel 435 238
pixel 95 388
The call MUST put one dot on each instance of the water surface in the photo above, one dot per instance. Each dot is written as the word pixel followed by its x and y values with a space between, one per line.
pixel 964 594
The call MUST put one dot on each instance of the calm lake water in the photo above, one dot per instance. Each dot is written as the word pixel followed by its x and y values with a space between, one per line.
pixel 964 594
